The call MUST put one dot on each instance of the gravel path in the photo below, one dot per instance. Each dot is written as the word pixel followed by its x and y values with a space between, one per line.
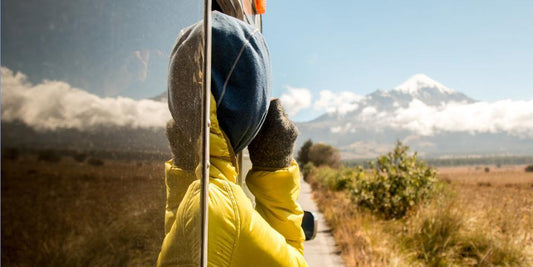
pixel 322 251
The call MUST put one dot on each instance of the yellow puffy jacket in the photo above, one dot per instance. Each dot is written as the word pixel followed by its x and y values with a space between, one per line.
pixel 239 235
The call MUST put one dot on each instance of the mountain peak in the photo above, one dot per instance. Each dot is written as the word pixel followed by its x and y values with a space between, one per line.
pixel 420 81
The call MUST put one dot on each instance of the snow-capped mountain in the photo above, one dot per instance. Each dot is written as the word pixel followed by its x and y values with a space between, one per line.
pixel 419 82
pixel 427 115
pixel 419 87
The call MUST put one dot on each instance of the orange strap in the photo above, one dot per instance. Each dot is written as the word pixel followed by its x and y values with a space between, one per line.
pixel 260 6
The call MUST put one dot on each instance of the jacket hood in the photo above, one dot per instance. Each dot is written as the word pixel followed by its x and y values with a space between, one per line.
pixel 240 78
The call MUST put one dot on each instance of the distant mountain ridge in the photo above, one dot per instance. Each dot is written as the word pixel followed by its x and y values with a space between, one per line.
pixel 419 87
pixel 417 112
pixel 375 123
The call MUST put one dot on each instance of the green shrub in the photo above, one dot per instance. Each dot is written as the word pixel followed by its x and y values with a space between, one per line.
pixel 338 179
pixel 324 176
pixel 399 182
pixel 303 153
pixel 307 169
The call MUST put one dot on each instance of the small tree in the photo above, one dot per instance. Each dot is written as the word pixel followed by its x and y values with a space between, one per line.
pixel 303 153
pixel 399 182
pixel 322 154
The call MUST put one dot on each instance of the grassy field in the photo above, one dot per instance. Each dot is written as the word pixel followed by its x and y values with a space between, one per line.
pixel 480 219
pixel 70 213
pixel 110 213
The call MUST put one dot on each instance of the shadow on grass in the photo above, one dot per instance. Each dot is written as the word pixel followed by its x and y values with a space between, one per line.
pixel 74 214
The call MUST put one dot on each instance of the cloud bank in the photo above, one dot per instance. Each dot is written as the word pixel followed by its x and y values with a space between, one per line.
pixel 513 117
pixel 504 116
pixel 340 103
pixel 50 105
pixel 295 99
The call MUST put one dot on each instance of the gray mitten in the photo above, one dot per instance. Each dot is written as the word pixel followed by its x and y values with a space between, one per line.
pixel 184 149
pixel 274 144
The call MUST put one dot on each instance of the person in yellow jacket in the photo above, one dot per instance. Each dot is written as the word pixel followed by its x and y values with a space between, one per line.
pixel 242 114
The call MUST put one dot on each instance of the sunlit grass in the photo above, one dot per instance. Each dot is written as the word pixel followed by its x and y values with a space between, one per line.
pixel 72 213
pixel 467 224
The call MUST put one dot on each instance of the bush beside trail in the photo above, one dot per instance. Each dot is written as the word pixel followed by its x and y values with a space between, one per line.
pixel 399 213
pixel 399 182
pixel 336 180
pixel 303 153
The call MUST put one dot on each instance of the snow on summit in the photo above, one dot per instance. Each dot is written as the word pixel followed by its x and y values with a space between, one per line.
pixel 420 81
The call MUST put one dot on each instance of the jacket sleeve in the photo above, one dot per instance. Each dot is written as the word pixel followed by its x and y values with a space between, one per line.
pixel 276 192
pixel 177 182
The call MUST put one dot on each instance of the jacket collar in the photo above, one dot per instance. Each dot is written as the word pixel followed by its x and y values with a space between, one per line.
pixel 222 158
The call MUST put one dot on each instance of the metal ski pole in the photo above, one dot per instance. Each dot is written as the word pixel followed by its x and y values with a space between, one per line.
pixel 206 124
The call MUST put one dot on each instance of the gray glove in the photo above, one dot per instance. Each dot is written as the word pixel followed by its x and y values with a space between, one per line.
pixel 184 148
pixel 274 144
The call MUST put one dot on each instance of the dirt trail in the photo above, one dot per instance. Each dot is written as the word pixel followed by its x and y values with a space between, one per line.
pixel 322 251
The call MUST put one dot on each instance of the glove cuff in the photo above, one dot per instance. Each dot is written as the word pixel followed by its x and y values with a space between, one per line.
pixel 264 160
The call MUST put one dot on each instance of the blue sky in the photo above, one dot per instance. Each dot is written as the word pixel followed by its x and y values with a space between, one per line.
pixel 120 48
pixel 481 48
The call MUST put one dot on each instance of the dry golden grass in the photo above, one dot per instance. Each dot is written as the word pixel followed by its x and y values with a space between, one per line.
pixel 361 237
pixel 506 175
pixel 75 214
pixel 482 219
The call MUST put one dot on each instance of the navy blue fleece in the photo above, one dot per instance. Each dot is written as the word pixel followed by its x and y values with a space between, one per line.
pixel 240 78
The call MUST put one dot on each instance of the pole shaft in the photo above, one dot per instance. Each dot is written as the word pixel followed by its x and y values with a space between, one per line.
pixel 204 194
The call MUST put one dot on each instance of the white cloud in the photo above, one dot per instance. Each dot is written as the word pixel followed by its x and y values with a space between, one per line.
pixel 295 99
pixel 143 57
pixel 340 103
pixel 514 117
pixel 336 129
pixel 53 104
pixel 343 129
pixel 505 116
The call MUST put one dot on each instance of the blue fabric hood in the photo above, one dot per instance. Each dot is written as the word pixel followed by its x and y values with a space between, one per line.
pixel 240 78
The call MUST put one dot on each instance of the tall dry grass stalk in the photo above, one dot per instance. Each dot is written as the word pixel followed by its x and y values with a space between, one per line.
pixel 71 213
pixel 361 237
pixel 467 224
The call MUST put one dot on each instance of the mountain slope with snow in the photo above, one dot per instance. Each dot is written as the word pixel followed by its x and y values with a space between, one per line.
pixel 420 82
pixel 434 119
pixel 419 87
